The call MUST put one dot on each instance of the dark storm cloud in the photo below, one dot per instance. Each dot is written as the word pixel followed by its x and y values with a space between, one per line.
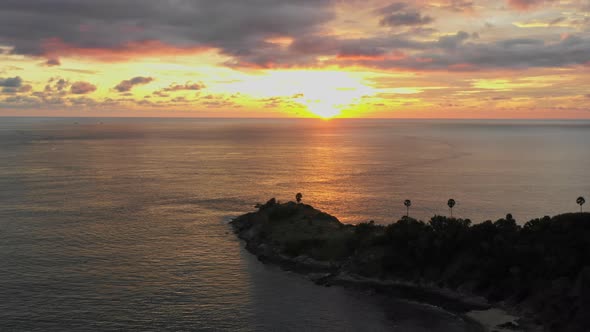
pixel 22 89
pixel 11 82
pixel 375 46
pixel 459 51
pixel 378 46
pixel 400 14
pixel 453 41
pixel 236 28
pixel 127 85
pixel 12 85
pixel 456 53
pixel 243 30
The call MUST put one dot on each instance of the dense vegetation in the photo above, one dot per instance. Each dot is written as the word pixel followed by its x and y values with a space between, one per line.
pixel 545 264
pixel 541 267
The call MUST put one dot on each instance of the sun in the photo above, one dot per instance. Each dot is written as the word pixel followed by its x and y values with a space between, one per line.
pixel 327 93
pixel 324 111
pixel 326 104
pixel 323 93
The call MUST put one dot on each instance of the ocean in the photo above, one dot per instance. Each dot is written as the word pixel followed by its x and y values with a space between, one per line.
pixel 122 224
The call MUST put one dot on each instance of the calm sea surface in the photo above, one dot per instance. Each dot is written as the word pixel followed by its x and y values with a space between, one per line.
pixel 121 224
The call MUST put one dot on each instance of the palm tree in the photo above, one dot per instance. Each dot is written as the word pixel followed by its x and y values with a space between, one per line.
pixel 451 203
pixel 407 203
pixel 298 197
pixel 580 202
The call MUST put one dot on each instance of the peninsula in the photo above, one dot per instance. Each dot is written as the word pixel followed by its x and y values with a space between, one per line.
pixel 539 271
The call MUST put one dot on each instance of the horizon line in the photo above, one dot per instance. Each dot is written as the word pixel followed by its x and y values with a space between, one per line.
pixel 276 118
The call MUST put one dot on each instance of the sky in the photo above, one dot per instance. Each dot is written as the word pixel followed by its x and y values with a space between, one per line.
pixel 296 58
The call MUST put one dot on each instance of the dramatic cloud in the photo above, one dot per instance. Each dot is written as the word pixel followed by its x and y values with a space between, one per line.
pixel 112 30
pixel 457 53
pixel 11 82
pixel 98 28
pixel 453 41
pixel 127 85
pixel 12 85
pixel 400 14
pixel 22 89
pixel 81 88
pixel 267 50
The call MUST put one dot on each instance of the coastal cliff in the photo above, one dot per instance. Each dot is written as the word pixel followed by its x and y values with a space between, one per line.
pixel 539 271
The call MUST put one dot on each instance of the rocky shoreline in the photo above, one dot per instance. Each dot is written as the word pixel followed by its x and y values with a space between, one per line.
pixel 299 238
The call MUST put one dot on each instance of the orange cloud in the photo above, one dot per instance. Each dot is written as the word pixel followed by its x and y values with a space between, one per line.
pixel 54 48
pixel 525 4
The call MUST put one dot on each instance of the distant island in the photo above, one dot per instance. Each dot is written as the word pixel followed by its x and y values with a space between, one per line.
pixel 539 271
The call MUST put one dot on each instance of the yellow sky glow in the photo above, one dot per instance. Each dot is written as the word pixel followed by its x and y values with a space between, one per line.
pixel 422 59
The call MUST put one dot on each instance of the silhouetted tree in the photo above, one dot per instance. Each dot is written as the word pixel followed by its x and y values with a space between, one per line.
pixel 451 203
pixel 580 202
pixel 298 197
pixel 407 203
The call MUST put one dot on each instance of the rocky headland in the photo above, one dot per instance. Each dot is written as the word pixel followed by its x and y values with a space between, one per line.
pixel 539 272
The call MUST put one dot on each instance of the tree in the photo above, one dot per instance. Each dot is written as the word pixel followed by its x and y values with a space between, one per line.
pixel 407 203
pixel 298 197
pixel 451 203
pixel 580 202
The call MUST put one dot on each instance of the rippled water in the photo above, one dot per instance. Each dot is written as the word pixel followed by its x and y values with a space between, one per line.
pixel 121 224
